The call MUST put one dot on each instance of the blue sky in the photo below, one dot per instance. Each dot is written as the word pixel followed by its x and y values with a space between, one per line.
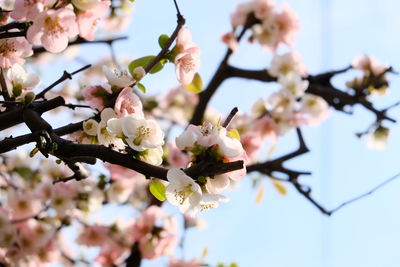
pixel 286 231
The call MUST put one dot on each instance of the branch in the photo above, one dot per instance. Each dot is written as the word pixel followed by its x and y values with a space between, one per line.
pixel 80 40
pixel 391 179
pixel 220 75
pixel 66 75
pixel 14 117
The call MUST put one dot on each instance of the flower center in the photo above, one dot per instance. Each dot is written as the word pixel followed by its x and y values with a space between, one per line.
pixel 141 133
pixel 187 64
pixel 53 25
pixel 183 194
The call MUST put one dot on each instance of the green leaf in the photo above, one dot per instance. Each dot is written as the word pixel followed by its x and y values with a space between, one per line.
pixel 143 62
pixel 196 85
pixel 141 87
pixel 157 189
pixel 233 265
pixel 162 40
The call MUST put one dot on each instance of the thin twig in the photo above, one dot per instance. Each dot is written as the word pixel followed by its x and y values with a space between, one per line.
pixel 391 179
pixel 66 75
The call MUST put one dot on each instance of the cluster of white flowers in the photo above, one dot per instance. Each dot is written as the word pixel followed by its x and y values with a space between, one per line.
pixel 193 196
pixel 125 125
pixel 291 106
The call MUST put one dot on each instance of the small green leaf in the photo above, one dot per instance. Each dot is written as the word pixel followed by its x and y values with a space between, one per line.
pixel 162 40
pixel 196 85
pixel 143 62
pixel 157 189
pixel 233 265
pixel 141 87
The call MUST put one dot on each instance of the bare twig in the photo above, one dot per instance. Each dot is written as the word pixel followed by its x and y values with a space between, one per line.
pixel 66 75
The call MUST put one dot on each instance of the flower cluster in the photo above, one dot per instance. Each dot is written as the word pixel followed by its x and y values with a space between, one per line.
pixel 374 81
pixel 270 28
pixel 155 232
pixel 54 23
pixel 124 124
pixel 206 143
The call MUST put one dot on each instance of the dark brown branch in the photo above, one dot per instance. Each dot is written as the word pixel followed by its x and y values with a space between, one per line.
pixel 80 41
pixel 230 117
pixel 14 117
pixel 7 35
pixel 15 25
pixel 66 75
pixel 135 258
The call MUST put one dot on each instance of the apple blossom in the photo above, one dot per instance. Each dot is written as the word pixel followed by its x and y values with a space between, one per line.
pixel 141 134
pixel 152 156
pixel 90 127
pixel 87 18
pixel 183 191
pixel 21 80
pixel 282 65
pixel 287 24
pixel 13 50
pixel 53 28
pixel 187 62
pixel 128 103
pixel 294 84
pixel 120 79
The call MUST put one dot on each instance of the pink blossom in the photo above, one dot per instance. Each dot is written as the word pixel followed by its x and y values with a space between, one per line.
pixel 118 172
pixel 23 205
pixel 187 63
pixel 368 65
pixel 146 222
pixel 28 10
pixel 184 39
pixel 94 235
pixel 263 9
pixel 266 128
pixel 230 40
pixel 176 158
pixel 87 20
pixel 238 174
pixel 128 103
pixel 110 255
pixel 288 25
pixel 252 144
pixel 53 28
pixel 13 50
pixel 240 15
pixel 95 95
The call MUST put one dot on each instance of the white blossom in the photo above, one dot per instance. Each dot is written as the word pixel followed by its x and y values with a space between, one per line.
pixel 183 192
pixel 293 83
pixel 90 127
pixel 118 78
pixel 142 134
pixel 378 139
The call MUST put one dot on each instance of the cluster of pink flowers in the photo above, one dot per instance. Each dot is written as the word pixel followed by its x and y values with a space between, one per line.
pixel 270 28
pixel 54 24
